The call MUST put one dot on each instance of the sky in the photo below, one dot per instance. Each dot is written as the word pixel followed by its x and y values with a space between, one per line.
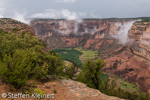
pixel 72 9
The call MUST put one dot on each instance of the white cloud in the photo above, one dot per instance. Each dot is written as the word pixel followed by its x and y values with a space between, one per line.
pixel 53 13
pixel 69 15
pixel 4 12
pixel 20 17
pixel 65 1
pixel 122 34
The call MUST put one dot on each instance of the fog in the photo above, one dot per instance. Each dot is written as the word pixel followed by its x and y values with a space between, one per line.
pixel 122 34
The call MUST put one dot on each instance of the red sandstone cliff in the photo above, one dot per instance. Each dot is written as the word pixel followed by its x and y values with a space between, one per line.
pixel 74 33
pixel 140 34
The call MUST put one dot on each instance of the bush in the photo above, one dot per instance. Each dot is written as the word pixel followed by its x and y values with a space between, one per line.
pixel 10 42
pixel 18 69
pixel 54 90
pixel 39 91
pixel 55 65
pixel 22 57
pixel 91 73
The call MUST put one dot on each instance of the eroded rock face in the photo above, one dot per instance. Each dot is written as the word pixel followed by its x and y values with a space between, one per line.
pixel 130 69
pixel 139 64
pixel 90 42
pixel 8 24
pixel 71 42
pixel 140 35
pixel 84 33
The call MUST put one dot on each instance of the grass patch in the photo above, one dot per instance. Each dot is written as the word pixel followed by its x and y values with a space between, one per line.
pixel 87 54
pixel 127 86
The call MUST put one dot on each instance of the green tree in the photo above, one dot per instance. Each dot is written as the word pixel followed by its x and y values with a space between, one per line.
pixel 91 73
pixel 16 70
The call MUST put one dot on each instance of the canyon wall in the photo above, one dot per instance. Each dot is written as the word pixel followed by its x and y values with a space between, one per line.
pixel 140 34
pixel 71 33
pixel 98 28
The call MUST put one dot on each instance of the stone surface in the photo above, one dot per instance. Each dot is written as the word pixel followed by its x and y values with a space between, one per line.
pixel 81 91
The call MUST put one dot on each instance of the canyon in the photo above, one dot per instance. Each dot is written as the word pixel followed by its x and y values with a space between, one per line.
pixel 122 43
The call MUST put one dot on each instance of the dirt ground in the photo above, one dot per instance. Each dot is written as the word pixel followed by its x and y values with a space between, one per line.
pixel 66 90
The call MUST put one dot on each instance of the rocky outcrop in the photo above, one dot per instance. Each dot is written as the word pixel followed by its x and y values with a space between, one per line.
pixel 8 24
pixel 74 90
pixel 90 42
pixel 97 47
pixel 130 68
pixel 140 36
pixel 136 68
pixel 81 91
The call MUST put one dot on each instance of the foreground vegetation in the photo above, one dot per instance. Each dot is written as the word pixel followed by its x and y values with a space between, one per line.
pixel 22 58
